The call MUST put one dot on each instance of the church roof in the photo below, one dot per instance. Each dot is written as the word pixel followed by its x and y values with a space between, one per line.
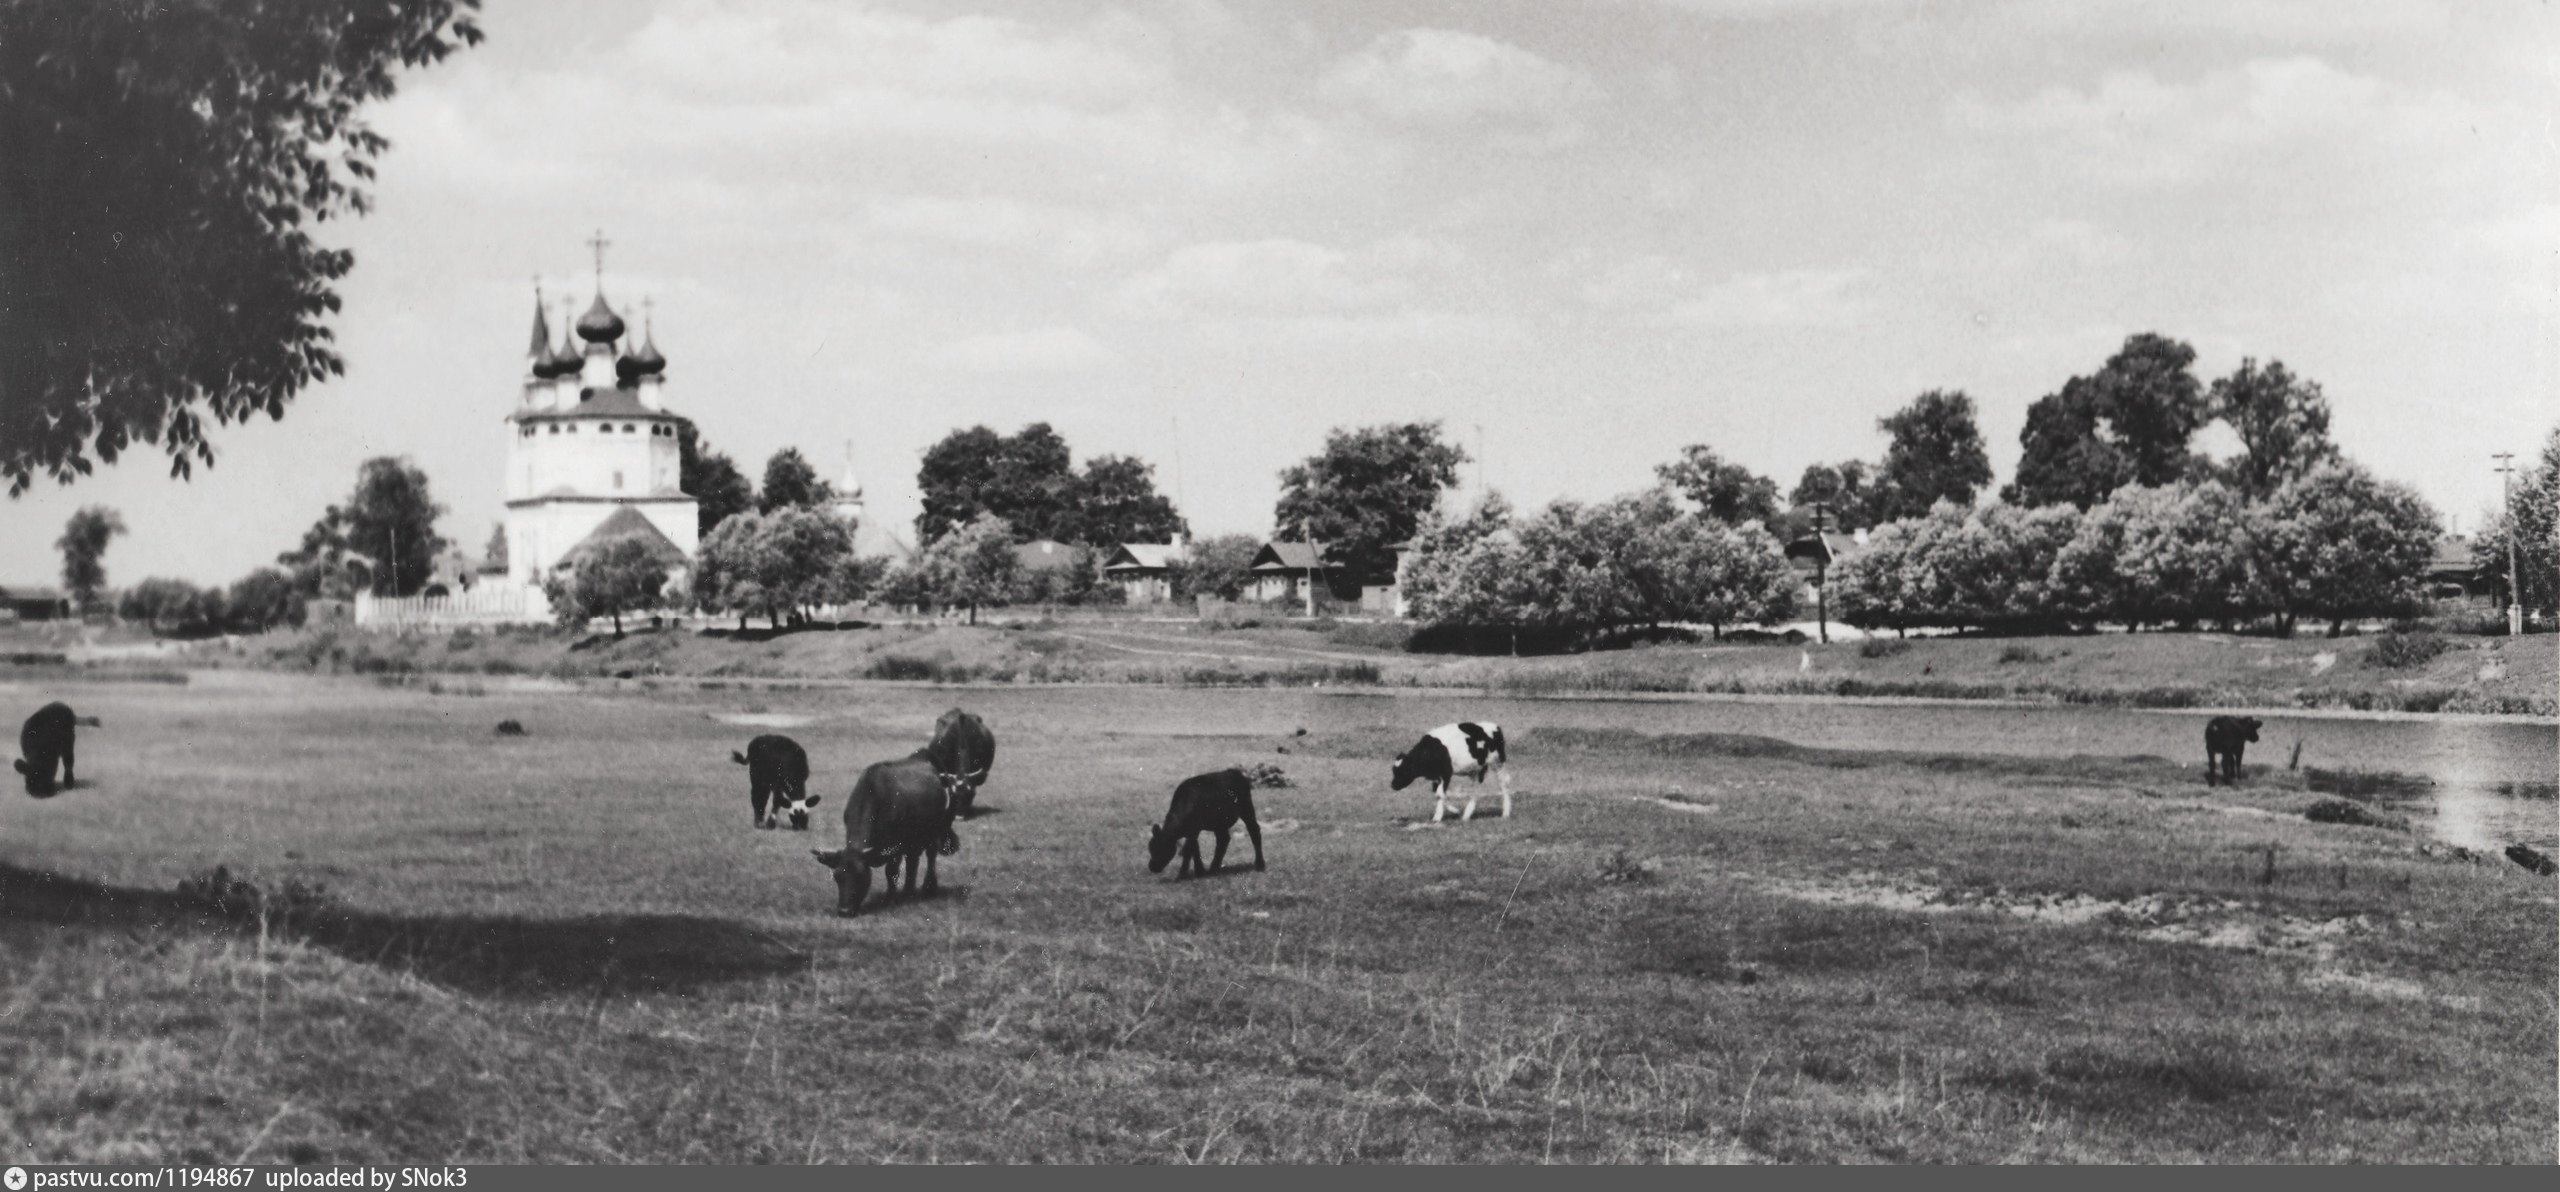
pixel 597 403
pixel 626 522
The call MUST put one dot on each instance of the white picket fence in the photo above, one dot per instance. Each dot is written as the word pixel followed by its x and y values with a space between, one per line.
pixel 484 605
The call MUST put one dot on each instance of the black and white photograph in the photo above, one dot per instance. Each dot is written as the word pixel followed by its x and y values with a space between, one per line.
pixel 795 582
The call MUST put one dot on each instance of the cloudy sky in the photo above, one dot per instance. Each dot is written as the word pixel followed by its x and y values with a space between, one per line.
pixel 1580 235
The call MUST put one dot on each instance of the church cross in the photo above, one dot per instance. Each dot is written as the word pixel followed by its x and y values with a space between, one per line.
pixel 599 243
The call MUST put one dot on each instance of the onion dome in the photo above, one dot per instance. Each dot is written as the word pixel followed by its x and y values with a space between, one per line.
pixel 648 360
pixel 626 369
pixel 541 331
pixel 554 364
pixel 599 325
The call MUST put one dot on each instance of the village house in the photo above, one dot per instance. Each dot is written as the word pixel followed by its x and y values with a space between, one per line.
pixel 1143 571
pixel 33 602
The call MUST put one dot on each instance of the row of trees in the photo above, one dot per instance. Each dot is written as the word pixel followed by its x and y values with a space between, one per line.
pixel 261 600
pixel 1636 561
pixel 2331 543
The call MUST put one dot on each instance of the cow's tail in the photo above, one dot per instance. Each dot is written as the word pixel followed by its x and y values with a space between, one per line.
pixel 738 757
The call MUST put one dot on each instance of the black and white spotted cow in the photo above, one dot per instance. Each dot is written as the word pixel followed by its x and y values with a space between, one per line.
pixel 1451 750
pixel 777 780
pixel 45 740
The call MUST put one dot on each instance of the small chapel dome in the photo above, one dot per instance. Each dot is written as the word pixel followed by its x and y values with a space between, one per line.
pixel 599 325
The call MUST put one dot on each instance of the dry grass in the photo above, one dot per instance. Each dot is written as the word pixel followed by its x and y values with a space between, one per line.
pixel 572 946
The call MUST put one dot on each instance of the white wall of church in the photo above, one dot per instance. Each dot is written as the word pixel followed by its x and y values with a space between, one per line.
pixel 593 457
pixel 539 532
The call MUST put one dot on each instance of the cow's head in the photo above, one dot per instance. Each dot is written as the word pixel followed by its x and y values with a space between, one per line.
pixel 960 792
pixel 2248 726
pixel 1404 773
pixel 799 807
pixel 1161 845
pixel 853 878
pixel 39 782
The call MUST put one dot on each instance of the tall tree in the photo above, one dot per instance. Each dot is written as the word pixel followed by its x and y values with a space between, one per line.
pixel 2127 423
pixel 2336 542
pixel 1935 455
pixel 391 520
pixel 973 565
pixel 791 483
pixel 2064 456
pixel 719 490
pixel 263 599
pixel 1116 502
pixel 84 551
pixel 1369 489
pixel 1727 492
pixel 1219 567
pixel 1850 490
pixel 2282 421
pixel 1026 478
pixel 493 557
pixel 2534 524
pixel 621 575
pixel 159 163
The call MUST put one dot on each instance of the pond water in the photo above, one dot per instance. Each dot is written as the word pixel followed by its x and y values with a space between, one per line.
pixel 2488 783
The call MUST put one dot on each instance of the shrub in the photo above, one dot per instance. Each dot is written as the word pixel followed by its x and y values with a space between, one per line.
pixel 230 896
pixel 2016 652
pixel 1882 647
pixel 2344 811
pixel 2397 649
pixel 510 728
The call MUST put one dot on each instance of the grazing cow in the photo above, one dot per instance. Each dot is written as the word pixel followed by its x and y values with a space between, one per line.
pixel 1204 803
pixel 962 752
pixel 47 738
pixel 778 770
pixel 898 810
pixel 2224 738
pixel 1450 750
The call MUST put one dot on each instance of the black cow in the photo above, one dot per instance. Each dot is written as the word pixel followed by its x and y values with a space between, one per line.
pixel 47 738
pixel 1204 803
pixel 2224 738
pixel 898 810
pixel 1450 750
pixel 962 752
pixel 777 780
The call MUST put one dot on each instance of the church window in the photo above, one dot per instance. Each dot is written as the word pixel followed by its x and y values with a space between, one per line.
pixel 629 429
pixel 555 428
pixel 604 428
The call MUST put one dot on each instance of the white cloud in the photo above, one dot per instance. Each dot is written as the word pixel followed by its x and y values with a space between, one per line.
pixel 1045 350
pixel 1070 235
pixel 1441 79
pixel 1663 290
pixel 1279 277
pixel 2133 128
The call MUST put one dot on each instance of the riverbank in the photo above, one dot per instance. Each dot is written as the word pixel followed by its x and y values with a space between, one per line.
pixel 2445 674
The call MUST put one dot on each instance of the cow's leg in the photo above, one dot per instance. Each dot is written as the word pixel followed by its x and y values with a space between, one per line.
pixel 67 780
pixel 759 796
pixel 1219 861
pixel 1440 801
pixel 915 860
pixel 1472 792
pixel 932 879
pixel 2212 765
pixel 1190 856
pixel 1254 830
pixel 1505 781
pixel 2238 753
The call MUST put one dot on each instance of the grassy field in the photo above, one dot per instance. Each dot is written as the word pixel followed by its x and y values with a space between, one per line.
pixel 2173 670
pixel 573 946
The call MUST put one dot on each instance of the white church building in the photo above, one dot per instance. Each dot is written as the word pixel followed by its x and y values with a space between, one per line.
pixel 594 454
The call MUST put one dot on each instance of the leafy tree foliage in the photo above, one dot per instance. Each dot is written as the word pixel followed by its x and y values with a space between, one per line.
pixel 791 483
pixel 264 599
pixel 2535 526
pixel 173 607
pixel 2282 421
pixel 84 550
pixel 1369 489
pixel 1727 492
pixel 493 557
pixel 1957 567
pixel 159 163
pixel 621 575
pixel 1852 491
pixel 2129 423
pixel 719 490
pixel 1935 454
pixel 972 566
pixel 775 564
pixel 2337 543
pixel 1116 502
pixel 1219 566
pixel 383 539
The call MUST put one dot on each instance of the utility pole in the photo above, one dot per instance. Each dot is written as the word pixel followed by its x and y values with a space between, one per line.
pixel 1821 577
pixel 2515 574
